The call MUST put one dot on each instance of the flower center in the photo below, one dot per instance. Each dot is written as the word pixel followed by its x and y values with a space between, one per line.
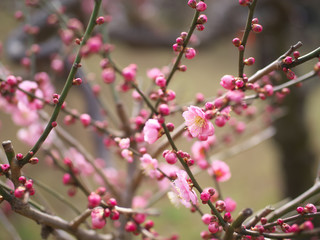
pixel 199 121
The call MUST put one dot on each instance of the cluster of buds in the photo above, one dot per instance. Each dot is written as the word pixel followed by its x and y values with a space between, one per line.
pixel 199 6
pixel 202 19
pixel 26 187
pixel 4 169
pixel 206 195
pixel 308 208
pixel 295 228
pixel 213 226
pixel 186 157
pixel 98 213
pixel 255 26
pixel 189 52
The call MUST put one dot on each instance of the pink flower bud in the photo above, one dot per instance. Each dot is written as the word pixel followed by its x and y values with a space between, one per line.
pixel 171 157
pixel 85 119
pixel 220 121
pixel 255 21
pixel 268 89
pixel 114 215
pixel 129 73
pixel 192 3
pixel 236 42
pixel 34 160
pixel 205 197
pixel 94 200
pixel 170 127
pixel 19 156
pixel 202 19
pixel 201 6
pixel 227 216
pixel 249 61
pixel 290 74
pixel 206 218
pixel 220 205
pixel 67 179
pixel 5 168
pixel 287 60
pixel 257 28
pixel 149 224
pixel 139 218
pixel 19 192
pixel 108 75
pixel 161 81
pixel 213 227
pixel 100 20
pixel 97 218
pixel 164 109
pixel 190 53
pixel 130 226
pixel 12 80
pixel 307 225
pixel 112 202
pixel 228 82
pixel 310 208
pixel 22 179
pixel 296 54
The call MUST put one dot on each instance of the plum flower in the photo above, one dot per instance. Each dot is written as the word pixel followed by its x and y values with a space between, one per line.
pixel 199 149
pixel 197 124
pixel 183 189
pixel 151 131
pixel 220 170
pixel 149 165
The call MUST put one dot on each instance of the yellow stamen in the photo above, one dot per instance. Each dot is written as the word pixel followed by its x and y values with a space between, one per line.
pixel 199 121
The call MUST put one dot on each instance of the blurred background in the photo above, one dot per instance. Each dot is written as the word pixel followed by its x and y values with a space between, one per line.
pixel 143 33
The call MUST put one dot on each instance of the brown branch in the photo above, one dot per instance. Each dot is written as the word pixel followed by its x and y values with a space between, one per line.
pixel 14 165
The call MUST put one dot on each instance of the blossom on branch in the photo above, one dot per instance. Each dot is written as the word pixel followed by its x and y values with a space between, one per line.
pixel 183 189
pixel 151 131
pixel 197 123
pixel 220 170
pixel 149 165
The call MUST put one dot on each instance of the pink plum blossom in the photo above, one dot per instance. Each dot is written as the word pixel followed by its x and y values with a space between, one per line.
pixel 183 189
pixel 220 170
pixel 149 165
pixel 197 124
pixel 230 204
pixel 97 218
pixel 44 82
pixel 32 133
pixel 127 154
pixel 154 73
pixel 151 131
pixel 124 143
pixel 22 115
pixel 171 171
pixel 79 161
pixel 33 88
